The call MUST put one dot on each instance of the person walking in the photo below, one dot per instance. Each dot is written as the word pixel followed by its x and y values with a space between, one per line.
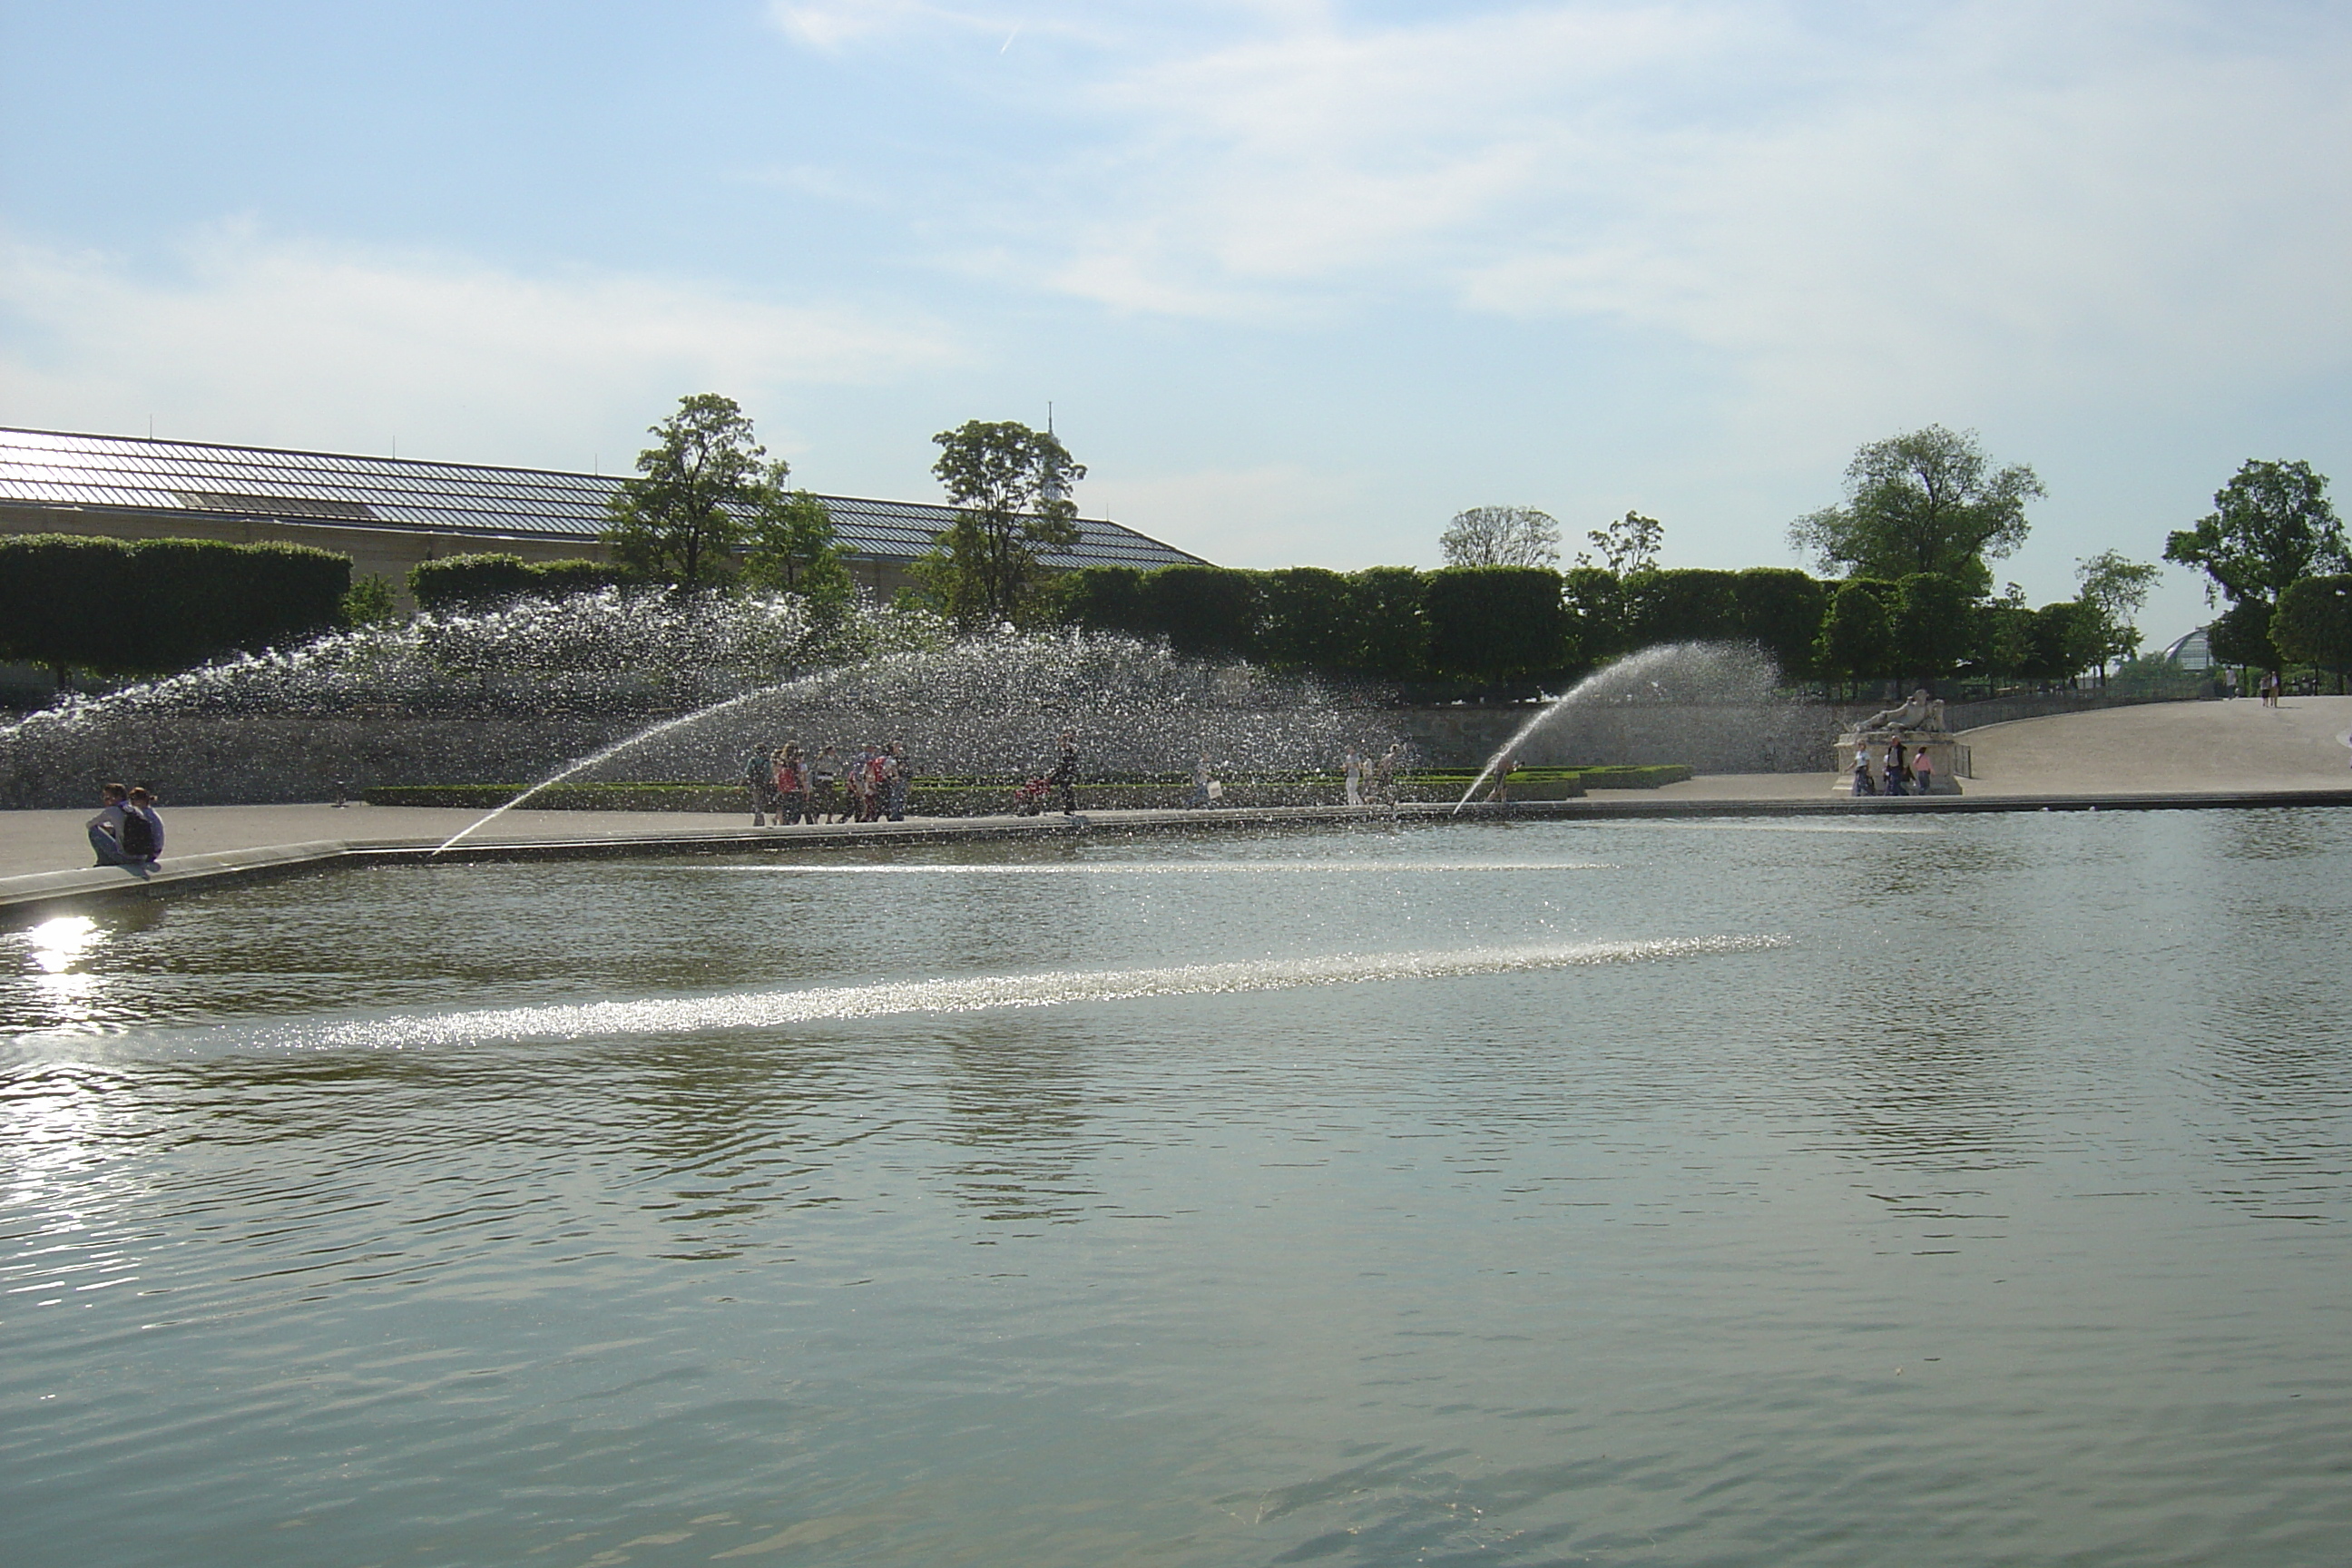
pixel 1064 776
pixel 1897 774
pixel 1353 770
pixel 1384 778
pixel 759 778
pixel 792 786
pixel 877 783
pixel 902 778
pixel 1923 773
pixel 106 828
pixel 825 785
pixel 1201 782
pixel 1862 783
pixel 2270 689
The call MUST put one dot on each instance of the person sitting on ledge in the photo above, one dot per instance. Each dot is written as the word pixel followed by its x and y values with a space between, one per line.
pixel 106 830
pixel 143 830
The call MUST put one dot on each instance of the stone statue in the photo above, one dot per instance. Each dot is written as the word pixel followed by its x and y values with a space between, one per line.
pixel 1921 712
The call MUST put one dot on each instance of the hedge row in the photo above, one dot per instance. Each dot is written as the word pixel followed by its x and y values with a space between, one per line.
pixel 482 581
pixel 1481 624
pixel 145 606
pixel 1504 624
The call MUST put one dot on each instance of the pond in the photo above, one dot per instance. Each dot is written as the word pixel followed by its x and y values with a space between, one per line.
pixel 1960 1192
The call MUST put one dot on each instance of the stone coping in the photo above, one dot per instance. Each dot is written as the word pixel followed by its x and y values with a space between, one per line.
pixel 28 898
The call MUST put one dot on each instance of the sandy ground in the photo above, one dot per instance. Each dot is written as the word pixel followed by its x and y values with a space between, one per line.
pixel 2163 748
pixel 2160 749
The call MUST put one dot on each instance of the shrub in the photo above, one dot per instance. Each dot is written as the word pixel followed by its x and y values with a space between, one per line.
pixel 1495 623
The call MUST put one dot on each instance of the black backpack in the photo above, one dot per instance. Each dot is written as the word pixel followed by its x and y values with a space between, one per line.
pixel 138 835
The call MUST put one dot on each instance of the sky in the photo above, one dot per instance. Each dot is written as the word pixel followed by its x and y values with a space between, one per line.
pixel 1297 280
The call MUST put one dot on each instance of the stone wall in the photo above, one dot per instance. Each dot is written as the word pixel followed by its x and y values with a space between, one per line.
pixel 195 760
pixel 1712 738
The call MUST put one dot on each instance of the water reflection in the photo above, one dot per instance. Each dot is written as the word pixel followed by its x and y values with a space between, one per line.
pixel 1878 1234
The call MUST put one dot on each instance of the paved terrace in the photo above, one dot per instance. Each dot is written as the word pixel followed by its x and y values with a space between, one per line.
pixel 2180 754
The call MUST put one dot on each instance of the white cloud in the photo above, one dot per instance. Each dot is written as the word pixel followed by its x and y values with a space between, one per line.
pixel 251 338
pixel 1874 213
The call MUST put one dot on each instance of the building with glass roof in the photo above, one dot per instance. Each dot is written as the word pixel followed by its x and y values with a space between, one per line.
pixel 389 513
pixel 2192 650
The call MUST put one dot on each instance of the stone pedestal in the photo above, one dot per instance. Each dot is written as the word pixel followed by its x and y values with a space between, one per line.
pixel 1942 747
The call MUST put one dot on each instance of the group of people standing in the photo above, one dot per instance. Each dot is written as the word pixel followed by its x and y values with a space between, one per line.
pixel 1374 782
pixel 126 831
pixel 1897 774
pixel 788 784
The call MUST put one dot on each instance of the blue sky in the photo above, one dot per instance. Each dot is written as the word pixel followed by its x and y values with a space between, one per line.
pixel 1299 279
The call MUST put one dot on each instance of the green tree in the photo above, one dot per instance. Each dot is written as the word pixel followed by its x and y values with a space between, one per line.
pixel 2114 589
pixel 1779 610
pixel 1688 606
pixel 1929 500
pixel 1501 536
pixel 2001 646
pixel 1628 545
pixel 1932 619
pixel 2240 635
pixel 1856 640
pixel 681 518
pixel 2313 625
pixel 369 602
pixel 1099 599
pixel 1010 487
pixel 2066 641
pixel 1307 619
pixel 1497 623
pixel 1594 598
pixel 1390 637
pixel 788 545
pixel 1208 612
pixel 2271 525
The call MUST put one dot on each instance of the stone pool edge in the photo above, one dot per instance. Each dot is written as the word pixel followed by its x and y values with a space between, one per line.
pixel 49 893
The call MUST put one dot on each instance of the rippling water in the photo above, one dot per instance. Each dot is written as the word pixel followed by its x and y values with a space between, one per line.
pixel 1975 1192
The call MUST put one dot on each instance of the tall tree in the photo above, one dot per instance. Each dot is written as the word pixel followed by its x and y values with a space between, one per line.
pixel 1628 545
pixel 791 544
pixel 1501 536
pixel 1855 635
pixel 2271 525
pixel 681 518
pixel 2240 635
pixel 1010 487
pixel 2313 624
pixel 2114 588
pixel 1929 500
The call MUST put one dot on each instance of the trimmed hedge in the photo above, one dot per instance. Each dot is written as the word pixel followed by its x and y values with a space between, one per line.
pixel 488 579
pixel 152 605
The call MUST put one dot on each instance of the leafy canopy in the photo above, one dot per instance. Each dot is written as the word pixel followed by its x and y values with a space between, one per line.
pixel 1501 536
pixel 2270 525
pixel 680 520
pixel 2114 589
pixel 1010 487
pixel 1928 501
pixel 2313 623
pixel 790 543
pixel 1628 545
